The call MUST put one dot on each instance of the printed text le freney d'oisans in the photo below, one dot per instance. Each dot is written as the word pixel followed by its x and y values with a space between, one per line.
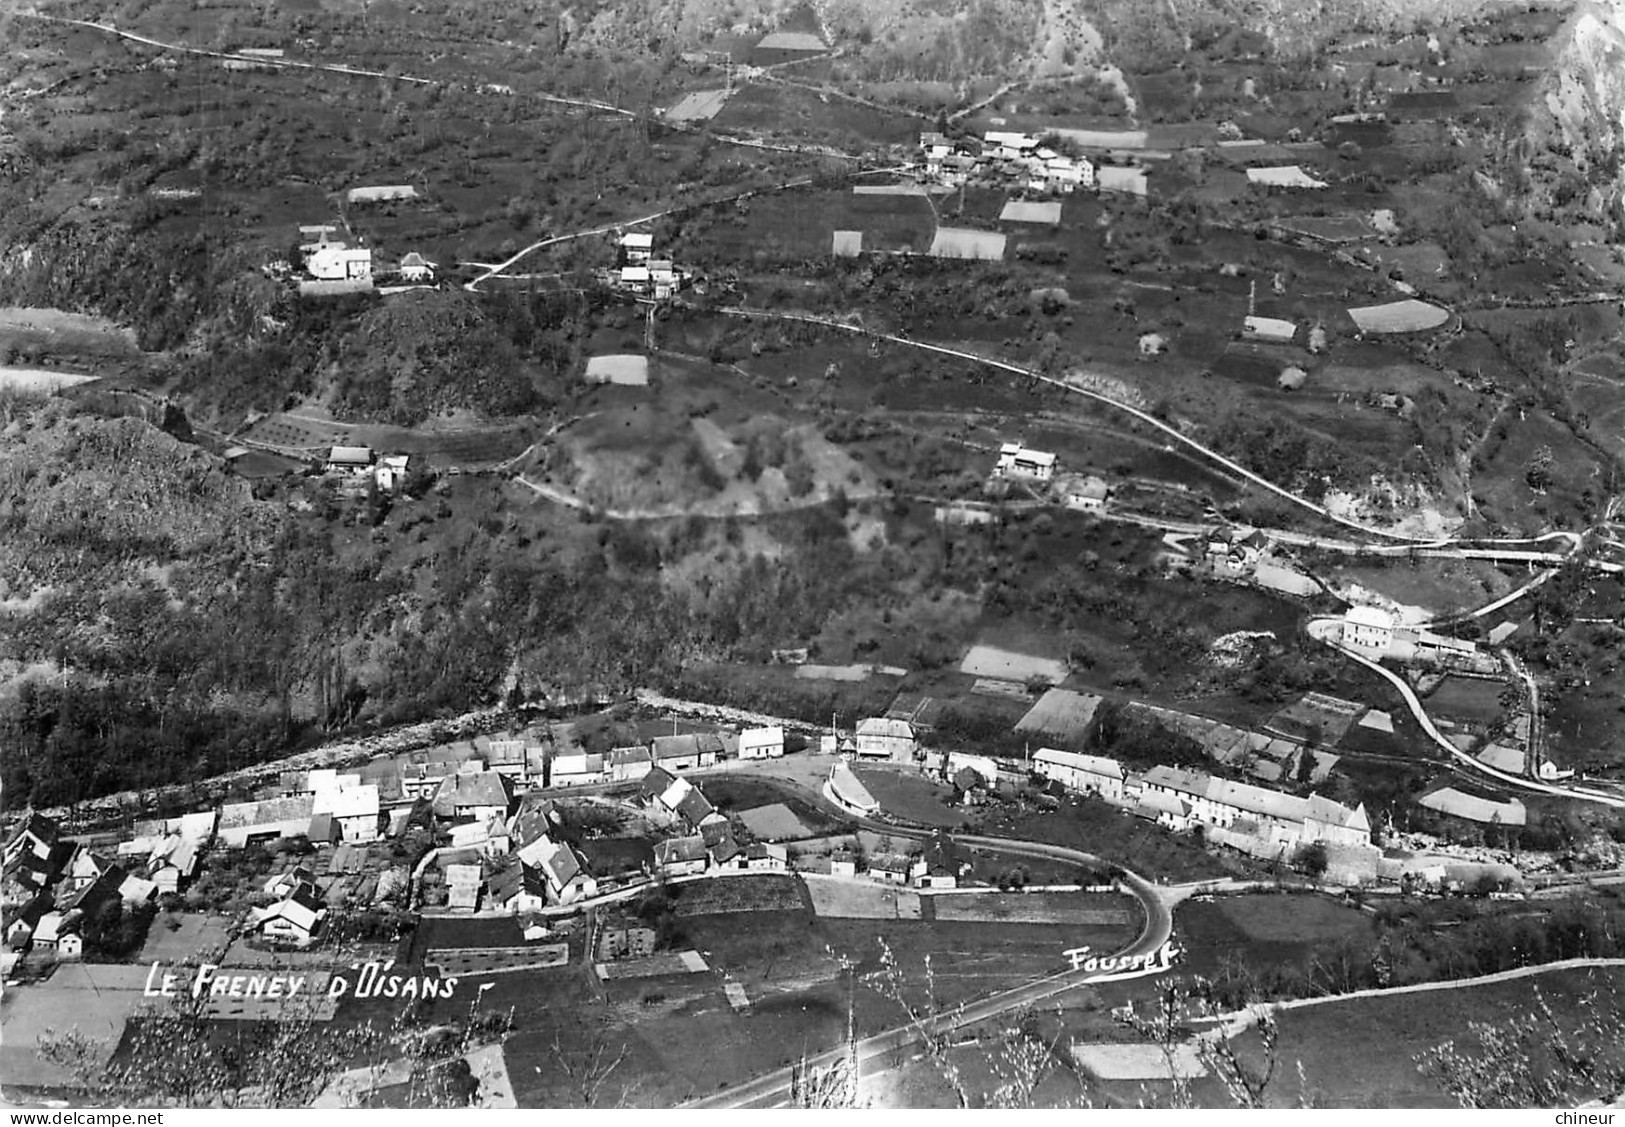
pixel 370 980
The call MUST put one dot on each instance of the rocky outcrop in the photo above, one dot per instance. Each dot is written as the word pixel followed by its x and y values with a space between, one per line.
pixel 1577 126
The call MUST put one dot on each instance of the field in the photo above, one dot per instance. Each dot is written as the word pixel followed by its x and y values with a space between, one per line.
pixel 911 797
pixel 1469 700
pixel 1089 909
pixel 724 896
pixel 1441 586
pixel 991 661
pixel 1262 929
pixel 1359 1053
pixel 1115 836
pixel 861 899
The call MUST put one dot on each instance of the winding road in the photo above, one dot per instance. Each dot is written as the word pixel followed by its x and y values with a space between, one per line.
pixel 773 1088
pixel 1329 630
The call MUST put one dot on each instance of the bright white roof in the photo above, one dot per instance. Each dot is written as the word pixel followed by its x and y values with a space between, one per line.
pixel 1369 616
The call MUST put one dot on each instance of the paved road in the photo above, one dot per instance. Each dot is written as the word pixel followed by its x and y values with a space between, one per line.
pixel 773 1089
pixel 1328 629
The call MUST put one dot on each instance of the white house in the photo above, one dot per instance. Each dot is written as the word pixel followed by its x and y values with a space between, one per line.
pixel 893 868
pixel 1086 774
pixel 1087 494
pixel 1368 627
pixel 335 262
pixel 628 764
pixel 1010 146
pixel 1015 460
pixel 293 919
pixel 1272 329
pixel 567 879
pixel 416 268
pixel 761 743
pixel 881 737
pixel 682 856
pixel 390 472
pixel 576 768
pixel 637 247
pixel 355 809
pixel 353 460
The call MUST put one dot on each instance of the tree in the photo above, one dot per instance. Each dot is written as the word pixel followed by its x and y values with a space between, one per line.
pixel 1534 1060
pixel 1538 473
pixel 1312 859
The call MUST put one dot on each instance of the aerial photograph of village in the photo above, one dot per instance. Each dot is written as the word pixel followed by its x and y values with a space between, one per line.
pixel 827 554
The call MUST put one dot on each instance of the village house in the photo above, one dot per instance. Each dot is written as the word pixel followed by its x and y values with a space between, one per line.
pixel 389 473
pixel 87 865
pixel 508 757
pixel 950 763
pixel 576 768
pixel 566 877
pixel 416 268
pixel 423 772
pixel 535 820
pixel 654 783
pixel 682 856
pixel 724 850
pixel 57 933
pixel 1015 460
pixel 763 857
pixel 880 737
pixel 517 888
pixel 1167 810
pixel 628 764
pixel 1086 493
pixel 761 743
pixel 352 461
pixel 894 868
pixel 21 922
pixel 636 248
pixel 34 858
pixel 491 838
pixel 943 865
pixel 354 810
pixel 295 919
pixel 1369 628
pixel 696 810
pixel 474 795
pixel 683 752
pixel 463 884
pixel 1085 774
pixel 250 823
pixel 335 262
pixel 843 864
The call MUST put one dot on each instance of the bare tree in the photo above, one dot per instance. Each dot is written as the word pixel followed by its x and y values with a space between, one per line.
pixel 1536 1060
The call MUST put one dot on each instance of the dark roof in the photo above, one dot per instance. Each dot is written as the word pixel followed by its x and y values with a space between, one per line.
pixel 39 826
pixel 532 822
pixel 506 883
pixel 674 747
pixel 680 849
pixel 716 832
pixel 695 807
pixel 724 850
pixel 322 828
pixel 305 896
pixel 654 784
pixel 942 855
pixel 482 788
pixel 98 892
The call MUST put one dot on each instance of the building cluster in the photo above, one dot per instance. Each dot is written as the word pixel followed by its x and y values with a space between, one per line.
pixel 639 272
pixel 1259 820
pixel 358 464
pixel 1009 159
pixel 1018 463
pixel 1379 634
pixel 331 263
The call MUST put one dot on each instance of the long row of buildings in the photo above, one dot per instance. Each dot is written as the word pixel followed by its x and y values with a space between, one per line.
pixel 1181 799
